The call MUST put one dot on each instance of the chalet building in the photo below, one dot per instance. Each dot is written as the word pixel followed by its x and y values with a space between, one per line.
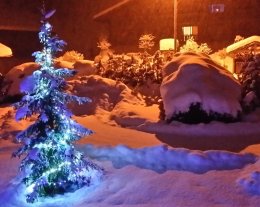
pixel 216 22
pixel 82 23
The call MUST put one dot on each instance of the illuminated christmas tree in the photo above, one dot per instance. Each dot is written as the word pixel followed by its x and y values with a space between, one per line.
pixel 51 164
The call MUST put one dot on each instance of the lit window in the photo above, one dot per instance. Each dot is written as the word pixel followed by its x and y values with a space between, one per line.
pixel 217 8
pixel 190 30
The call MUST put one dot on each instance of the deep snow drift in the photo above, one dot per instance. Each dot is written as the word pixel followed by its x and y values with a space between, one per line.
pixel 140 169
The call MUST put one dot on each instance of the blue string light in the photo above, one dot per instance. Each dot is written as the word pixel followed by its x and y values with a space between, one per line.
pixel 51 164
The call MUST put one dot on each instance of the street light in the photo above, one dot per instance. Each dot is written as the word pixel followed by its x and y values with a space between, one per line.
pixel 171 43
pixel 175 10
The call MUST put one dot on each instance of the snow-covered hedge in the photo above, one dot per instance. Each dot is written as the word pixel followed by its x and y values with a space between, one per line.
pixel 196 89
pixel 134 70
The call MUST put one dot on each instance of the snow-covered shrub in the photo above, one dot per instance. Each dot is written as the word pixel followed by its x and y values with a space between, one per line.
pixel 196 89
pixel 106 94
pixel 105 51
pixel 250 81
pixel 146 42
pixel 72 56
pixel 134 70
pixel 238 38
pixel 11 84
pixel 17 74
pixel 103 44
pixel 192 46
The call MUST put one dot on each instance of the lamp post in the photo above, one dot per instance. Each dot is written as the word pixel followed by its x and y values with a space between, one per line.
pixel 175 5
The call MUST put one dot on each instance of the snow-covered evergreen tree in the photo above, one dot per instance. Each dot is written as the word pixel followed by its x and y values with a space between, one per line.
pixel 146 42
pixel 51 165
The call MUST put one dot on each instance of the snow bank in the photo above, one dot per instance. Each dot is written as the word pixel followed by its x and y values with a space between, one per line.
pixel 162 159
pixel 195 78
pixel 135 180
pixel 250 179
pixel 104 93
pixel 16 75
pixel 9 127
pixel 84 67
pixel 124 106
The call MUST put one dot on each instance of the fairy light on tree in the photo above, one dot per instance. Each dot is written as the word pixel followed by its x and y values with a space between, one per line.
pixel 51 164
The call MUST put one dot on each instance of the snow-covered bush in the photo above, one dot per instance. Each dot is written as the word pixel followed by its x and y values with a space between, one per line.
pixel 133 70
pixel 71 56
pixel 192 46
pixel 146 42
pixel 105 52
pixel 16 75
pixel 238 38
pixel 250 81
pixel 196 89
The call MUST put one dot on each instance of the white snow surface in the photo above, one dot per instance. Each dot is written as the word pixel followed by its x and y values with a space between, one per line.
pixel 150 163
pixel 152 176
pixel 195 78
pixel 18 73
pixel 15 76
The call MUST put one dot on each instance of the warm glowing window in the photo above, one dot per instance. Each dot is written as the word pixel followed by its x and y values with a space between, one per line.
pixel 190 30
pixel 217 8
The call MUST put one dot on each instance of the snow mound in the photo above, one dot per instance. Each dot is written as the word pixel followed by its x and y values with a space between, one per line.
pixel 112 99
pixel 84 67
pixel 109 96
pixel 16 75
pixel 162 159
pixel 250 181
pixel 194 78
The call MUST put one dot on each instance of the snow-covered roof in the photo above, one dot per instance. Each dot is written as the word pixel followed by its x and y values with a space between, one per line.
pixel 5 51
pixel 110 9
pixel 245 43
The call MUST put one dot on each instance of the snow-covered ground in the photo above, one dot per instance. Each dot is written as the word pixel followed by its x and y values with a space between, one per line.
pixel 147 162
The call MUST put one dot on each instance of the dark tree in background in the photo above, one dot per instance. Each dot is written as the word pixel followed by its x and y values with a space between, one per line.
pixel 51 164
